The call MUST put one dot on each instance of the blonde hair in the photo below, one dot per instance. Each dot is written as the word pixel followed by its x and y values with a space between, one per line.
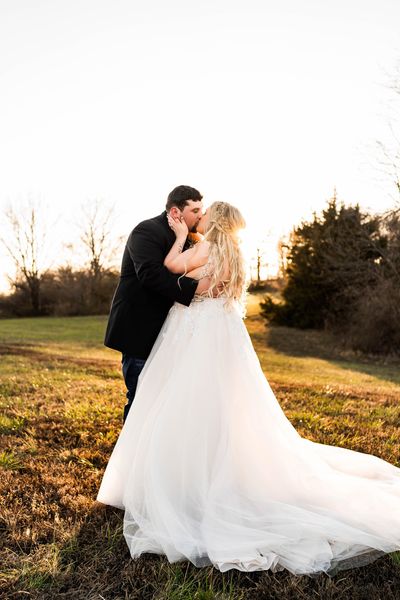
pixel 222 231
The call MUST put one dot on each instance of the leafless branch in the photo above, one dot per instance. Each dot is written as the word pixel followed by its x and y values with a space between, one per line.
pixel 23 242
pixel 96 234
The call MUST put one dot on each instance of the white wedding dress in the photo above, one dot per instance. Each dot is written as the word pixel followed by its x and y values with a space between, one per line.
pixel 208 468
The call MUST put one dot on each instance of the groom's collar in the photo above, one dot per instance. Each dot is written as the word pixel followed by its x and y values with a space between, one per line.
pixel 163 219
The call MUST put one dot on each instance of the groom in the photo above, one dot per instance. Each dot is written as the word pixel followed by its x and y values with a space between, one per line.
pixel 146 289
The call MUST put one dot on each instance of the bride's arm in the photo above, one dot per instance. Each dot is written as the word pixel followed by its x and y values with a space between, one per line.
pixel 177 261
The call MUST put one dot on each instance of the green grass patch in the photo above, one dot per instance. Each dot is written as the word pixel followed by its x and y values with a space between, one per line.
pixel 11 424
pixel 9 461
pixel 83 330
pixel 183 583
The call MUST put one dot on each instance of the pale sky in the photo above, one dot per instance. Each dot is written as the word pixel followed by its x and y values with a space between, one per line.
pixel 267 104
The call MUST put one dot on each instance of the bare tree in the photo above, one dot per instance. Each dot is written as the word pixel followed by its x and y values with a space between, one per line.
pixel 390 164
pixel 97 236
pixel 259 260
pixel 24 241
pixel 259 263
pixel 389 150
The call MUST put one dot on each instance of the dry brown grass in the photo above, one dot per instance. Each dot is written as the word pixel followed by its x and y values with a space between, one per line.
pixel 60 418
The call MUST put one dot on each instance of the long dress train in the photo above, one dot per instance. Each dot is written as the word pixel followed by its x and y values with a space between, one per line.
pixel 208 468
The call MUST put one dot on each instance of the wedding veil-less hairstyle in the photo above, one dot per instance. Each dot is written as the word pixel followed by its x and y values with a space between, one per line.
pixel 222 232
pixel 180 196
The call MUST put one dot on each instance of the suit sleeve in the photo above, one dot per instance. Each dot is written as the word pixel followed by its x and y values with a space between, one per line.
pixel 147 253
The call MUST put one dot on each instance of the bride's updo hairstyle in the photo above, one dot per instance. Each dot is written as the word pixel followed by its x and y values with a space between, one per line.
pixel 225 223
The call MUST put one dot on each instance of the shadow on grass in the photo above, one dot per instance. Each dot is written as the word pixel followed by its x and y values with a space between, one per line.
pixel 94 366
pixel 319 344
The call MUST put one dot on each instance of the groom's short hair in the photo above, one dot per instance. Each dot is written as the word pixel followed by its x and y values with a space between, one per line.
pixel 180 195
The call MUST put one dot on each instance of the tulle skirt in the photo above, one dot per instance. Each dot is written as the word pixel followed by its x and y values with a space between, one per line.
pixel 208 468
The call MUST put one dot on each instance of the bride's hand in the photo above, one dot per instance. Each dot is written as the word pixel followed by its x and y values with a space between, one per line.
pixel 178 226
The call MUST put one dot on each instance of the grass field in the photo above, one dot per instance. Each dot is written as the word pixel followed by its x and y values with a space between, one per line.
pixel 61 395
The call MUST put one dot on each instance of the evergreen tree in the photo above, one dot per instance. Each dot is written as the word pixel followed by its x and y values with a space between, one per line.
pixel 329 261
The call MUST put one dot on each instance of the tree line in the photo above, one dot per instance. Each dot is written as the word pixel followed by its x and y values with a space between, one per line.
pixel 63 290
pixel 341 272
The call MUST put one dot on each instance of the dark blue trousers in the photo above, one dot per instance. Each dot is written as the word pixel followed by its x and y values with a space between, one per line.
pixel 131 369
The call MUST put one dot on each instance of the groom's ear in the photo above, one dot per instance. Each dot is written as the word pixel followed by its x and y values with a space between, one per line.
pixel 175 212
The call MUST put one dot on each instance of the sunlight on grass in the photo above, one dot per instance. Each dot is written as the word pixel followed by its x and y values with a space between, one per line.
pixel 316 371
pixel 253 304
pixel 9 461
pixel 83 330
pixel 72 336
pixel 309 358
pixel 11 424
pixel 185 584
pixel 39 570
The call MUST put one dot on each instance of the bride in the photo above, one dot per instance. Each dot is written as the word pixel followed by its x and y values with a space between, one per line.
pixel 207 467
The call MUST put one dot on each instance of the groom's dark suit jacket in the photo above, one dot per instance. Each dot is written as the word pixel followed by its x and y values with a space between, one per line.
pixel 146 289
